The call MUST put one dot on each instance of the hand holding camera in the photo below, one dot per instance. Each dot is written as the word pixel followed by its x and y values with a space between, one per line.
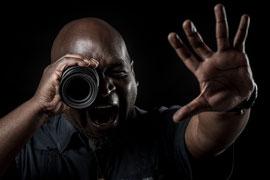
pixel 71 70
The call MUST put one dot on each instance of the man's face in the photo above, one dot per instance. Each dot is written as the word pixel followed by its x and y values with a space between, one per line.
pixel 117 87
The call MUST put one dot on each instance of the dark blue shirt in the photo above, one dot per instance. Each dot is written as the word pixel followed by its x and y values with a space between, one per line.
pixel 151 146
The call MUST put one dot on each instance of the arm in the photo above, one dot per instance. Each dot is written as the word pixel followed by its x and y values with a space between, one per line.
pixel 17 127
pixel 225 80
pixel 211 133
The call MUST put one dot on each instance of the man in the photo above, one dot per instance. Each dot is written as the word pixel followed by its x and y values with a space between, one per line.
pixel 113 139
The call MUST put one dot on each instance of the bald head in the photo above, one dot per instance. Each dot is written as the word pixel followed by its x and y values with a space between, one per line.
pixel 90 37
pixel 94 38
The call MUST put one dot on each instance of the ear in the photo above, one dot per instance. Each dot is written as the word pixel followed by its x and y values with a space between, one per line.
pixel 131 65
pixel 132 70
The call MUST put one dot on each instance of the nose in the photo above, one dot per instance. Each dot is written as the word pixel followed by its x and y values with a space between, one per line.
pixel 106 86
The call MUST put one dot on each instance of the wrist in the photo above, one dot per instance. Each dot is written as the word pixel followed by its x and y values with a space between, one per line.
pixel 247 103
pixel 40 109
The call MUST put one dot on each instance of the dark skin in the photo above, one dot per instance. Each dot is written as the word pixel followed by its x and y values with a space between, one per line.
pixel 118 90
pixel 224 76
pixel 225 80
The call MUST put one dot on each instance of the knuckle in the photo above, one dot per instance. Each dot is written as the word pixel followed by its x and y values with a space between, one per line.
pixel 197 44
pixel 47 69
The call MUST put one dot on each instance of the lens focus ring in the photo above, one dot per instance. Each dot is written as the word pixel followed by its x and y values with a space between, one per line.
pixel 79 86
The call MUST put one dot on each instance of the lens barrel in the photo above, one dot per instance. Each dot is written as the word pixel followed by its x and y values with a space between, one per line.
pixel 79 86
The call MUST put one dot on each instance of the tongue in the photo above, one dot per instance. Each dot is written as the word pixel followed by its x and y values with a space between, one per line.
pixel 102 115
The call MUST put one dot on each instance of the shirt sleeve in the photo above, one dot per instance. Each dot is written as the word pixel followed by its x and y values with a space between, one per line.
pixel 219 167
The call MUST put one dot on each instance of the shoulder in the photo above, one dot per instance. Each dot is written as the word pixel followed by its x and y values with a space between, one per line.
pixel 161 115
pixel 158 119
pixel 161 112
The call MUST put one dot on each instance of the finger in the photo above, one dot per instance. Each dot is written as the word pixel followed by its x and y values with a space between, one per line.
pixel 194 107
pixel 196 40
pixel 73 56
pixel 182 51
pixel 90 61
pixel 93 63
pixel 222 30
pixel 67 62
pixel 76 59
pixel 241 35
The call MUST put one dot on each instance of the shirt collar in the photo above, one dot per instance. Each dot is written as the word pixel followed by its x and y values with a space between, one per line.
pixel 61 131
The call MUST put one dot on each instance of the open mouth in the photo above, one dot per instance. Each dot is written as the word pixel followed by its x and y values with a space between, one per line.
pixel 104 115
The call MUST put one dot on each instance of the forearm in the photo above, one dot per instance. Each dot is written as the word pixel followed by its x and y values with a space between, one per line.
pixel 16 128
pixel 210 133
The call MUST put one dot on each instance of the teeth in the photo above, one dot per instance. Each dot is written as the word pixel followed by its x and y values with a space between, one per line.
pixel 103 115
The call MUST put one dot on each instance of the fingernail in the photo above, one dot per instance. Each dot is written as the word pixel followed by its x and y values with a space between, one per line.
pixel 95 61
pixel 87 61
pixel 177 37
pixel 192 27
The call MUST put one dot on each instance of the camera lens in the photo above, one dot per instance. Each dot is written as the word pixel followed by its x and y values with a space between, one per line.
pixel 79 86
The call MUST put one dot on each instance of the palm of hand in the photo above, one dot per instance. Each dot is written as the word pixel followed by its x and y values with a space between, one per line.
pixel 224 80
pixel 224 76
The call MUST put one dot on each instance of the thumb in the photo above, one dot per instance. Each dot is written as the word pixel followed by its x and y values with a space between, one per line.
pixel 196 106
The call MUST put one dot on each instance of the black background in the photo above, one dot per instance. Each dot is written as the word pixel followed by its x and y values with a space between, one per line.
pixel 28 31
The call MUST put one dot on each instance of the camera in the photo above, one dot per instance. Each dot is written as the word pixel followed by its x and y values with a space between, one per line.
pixel 79 86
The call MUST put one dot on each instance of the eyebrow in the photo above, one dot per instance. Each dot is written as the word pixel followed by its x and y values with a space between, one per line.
pixel 118 63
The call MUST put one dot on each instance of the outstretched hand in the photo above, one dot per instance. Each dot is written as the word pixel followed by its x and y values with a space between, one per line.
pixel 224 76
